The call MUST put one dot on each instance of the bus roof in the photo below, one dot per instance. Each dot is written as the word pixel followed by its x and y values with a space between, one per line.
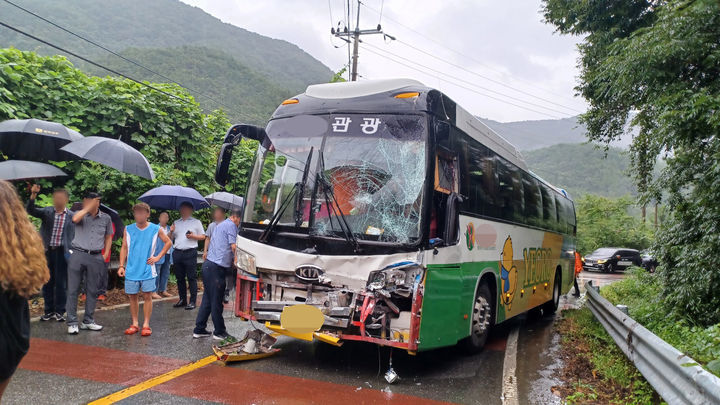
pixel 378 95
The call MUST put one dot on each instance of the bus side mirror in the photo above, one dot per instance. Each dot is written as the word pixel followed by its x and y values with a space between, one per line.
pixel 223 164
pixel 232 138
pixel 239 131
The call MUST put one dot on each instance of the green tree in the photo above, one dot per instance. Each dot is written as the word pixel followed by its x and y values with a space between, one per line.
pixel 177 138
pixel 657 63
pixel 606 222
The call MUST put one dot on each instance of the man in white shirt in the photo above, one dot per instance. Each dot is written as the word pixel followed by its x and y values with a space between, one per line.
pixel 186 231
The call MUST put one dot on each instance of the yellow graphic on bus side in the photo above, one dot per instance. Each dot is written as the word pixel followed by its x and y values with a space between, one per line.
pixel 508 274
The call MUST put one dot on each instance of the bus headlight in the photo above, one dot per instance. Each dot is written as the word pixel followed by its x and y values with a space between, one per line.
pixel 399 279
pixel 245 262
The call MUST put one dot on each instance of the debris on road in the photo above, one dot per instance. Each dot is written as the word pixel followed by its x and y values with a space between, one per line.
pixel 255 345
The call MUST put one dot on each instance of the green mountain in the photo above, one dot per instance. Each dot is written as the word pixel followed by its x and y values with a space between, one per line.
pixel 583 168
pixel 223 81
pixel 537 134
pixel 239 67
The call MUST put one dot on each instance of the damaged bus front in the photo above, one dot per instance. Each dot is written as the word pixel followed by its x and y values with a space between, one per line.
pixel 333 221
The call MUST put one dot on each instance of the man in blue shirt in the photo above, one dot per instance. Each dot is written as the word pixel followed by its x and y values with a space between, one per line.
pixel 220 258
pixel 137 264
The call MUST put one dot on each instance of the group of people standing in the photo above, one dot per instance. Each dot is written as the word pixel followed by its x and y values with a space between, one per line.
pixel 73 246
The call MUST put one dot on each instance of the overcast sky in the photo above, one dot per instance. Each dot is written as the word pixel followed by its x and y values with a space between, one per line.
pixel 488 41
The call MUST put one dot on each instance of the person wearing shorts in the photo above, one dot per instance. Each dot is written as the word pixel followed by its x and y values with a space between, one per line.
pixel 137 264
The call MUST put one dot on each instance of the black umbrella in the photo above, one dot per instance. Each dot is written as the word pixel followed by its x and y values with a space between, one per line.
pixel 36 140
pixel 171 197
pixel 113 153
pixel 114 217
pixel 23 170
pixel 225 200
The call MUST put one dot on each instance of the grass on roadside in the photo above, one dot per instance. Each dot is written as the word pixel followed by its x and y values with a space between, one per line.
pixel 595 370
pixel 641 292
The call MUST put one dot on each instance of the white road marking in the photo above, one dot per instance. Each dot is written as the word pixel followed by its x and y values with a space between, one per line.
pixel 509 386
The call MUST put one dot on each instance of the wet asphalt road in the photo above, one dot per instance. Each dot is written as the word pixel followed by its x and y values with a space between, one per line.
pixel 77 369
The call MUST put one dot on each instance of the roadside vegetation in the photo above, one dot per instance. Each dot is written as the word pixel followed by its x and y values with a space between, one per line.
pixel 654 64
pixel 609 222
pixel 170 129
pixel 595 370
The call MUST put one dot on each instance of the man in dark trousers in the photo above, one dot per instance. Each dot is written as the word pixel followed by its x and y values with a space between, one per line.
pixel 220 258
pixel 57 230
pixel 93 235
pixel 186 232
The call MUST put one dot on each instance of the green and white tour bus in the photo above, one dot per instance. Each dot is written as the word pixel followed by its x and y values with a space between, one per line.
pixel 382 211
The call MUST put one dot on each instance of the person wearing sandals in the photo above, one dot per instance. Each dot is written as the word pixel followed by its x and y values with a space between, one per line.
pixel 137 264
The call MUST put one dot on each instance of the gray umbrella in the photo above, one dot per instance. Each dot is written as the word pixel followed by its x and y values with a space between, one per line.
pixel 36 140
pixel 226 200
pixel 113 153
pixel 23 170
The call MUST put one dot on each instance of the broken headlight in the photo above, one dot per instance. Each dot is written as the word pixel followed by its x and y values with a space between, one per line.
pixel 245 261
pixel 399 279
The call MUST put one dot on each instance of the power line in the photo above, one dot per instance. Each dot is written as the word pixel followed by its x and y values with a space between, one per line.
pixel 487 78
pixel 469 83
pixel 445 78
pixel 444 46
pixel 93 62
pixel 115 53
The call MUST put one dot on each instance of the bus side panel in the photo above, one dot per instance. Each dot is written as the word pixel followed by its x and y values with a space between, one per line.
pixel 448 301
pixel 441 313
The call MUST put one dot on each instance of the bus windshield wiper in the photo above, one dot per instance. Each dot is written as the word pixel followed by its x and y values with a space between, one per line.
pixel 333 207
pixel 297 191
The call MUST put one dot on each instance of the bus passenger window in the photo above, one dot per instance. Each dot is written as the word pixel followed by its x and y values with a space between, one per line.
pixel 533 201
pixel 549 212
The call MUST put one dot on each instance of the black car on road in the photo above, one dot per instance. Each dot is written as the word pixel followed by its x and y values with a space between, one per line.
pixel 611 259
pixel 649 262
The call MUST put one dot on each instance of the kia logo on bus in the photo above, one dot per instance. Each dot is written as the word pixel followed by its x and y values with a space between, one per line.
pixel 308 272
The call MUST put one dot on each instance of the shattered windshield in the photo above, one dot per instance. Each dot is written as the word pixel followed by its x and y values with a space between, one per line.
pixel 374 165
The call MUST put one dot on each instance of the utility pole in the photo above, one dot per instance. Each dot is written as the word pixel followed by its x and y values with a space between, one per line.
pixel 353 36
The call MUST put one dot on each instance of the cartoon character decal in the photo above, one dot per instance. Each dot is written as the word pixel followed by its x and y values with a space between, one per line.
pixel 508 274
pixel 470 236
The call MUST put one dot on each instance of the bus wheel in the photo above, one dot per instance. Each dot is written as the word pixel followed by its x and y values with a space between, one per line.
pixel 551 306
pixel 481 321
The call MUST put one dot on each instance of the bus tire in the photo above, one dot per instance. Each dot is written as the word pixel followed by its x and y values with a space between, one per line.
pixel 480 322
pixel 551 306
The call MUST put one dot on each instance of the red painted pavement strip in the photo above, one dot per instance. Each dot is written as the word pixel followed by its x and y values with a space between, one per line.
pixel 211 383
pixel 240 386
pixel 95 363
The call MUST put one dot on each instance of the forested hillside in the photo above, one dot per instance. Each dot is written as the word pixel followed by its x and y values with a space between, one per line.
pixel 239 66
pixel 583 169
pixel 252 97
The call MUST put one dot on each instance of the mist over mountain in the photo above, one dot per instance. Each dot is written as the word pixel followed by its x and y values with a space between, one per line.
pixel 537 134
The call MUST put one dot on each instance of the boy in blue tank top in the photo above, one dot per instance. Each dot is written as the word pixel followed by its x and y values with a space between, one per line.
pixel 137 264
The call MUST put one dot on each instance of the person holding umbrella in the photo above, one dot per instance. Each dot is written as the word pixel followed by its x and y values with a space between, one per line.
pixel 186 231
pixel 56 230
pixel 164 263
pixel 93 234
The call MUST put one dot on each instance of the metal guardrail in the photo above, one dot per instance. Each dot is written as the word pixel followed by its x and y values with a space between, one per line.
pixel 676 377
